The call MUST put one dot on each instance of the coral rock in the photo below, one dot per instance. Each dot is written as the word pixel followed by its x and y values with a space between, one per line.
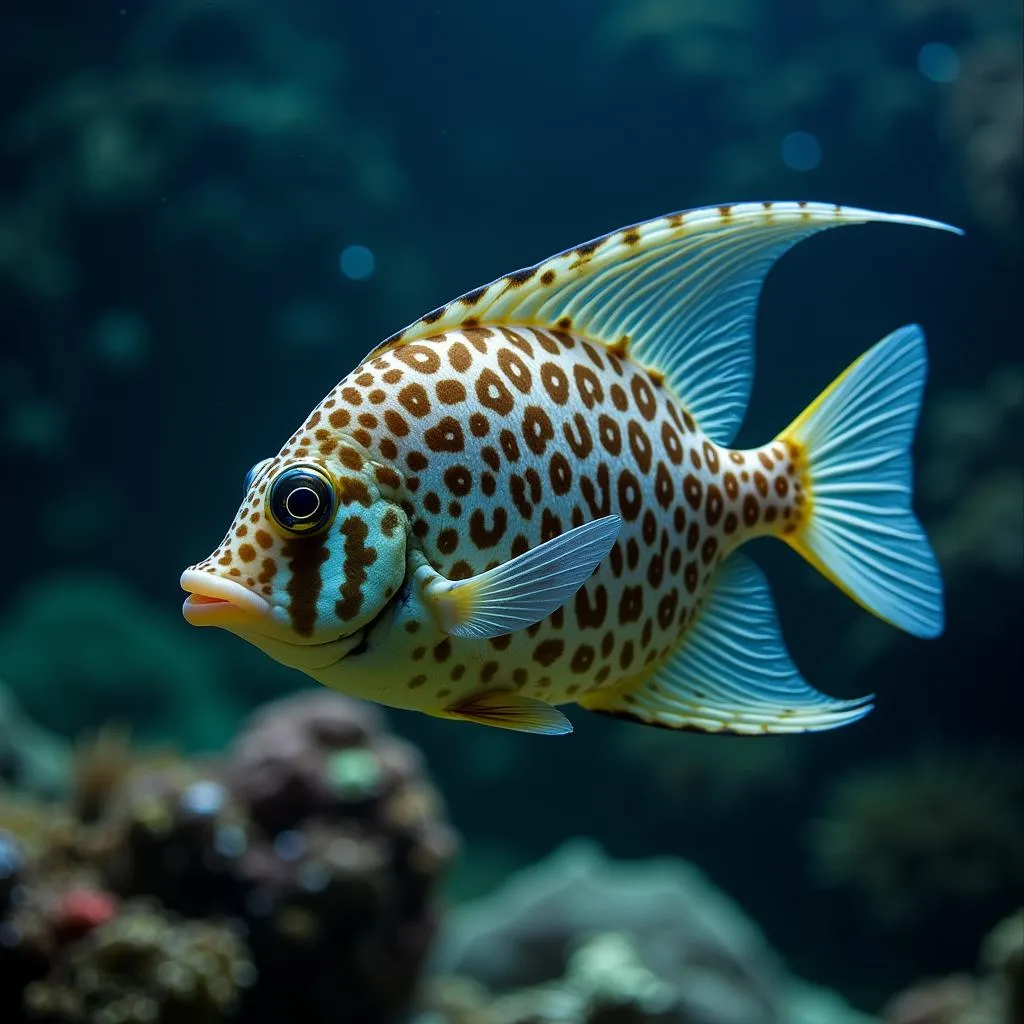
pixel 606 941
pixel 146 967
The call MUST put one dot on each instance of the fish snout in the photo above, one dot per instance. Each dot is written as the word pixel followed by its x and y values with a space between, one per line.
pixel 215 601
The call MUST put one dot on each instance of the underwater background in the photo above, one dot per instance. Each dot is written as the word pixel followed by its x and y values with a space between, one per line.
pixel 209 211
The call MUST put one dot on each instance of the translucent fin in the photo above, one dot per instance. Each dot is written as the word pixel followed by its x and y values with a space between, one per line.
pixel 732 672
pixel 860 531
pixel 505 710
pixel 526 589
pixel 680 292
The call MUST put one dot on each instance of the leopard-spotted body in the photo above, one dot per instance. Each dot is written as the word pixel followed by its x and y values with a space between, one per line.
pixel 461 444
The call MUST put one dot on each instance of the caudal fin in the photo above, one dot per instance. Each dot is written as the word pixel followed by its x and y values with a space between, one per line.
pixel 858 528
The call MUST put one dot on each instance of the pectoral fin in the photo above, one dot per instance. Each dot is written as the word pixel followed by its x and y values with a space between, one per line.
pixel 506 710
pixel 526 589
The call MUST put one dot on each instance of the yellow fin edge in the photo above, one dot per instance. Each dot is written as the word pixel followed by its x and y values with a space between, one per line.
pixel 792 436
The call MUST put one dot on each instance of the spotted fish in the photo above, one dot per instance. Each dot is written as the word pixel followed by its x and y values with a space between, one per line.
pixel 527 498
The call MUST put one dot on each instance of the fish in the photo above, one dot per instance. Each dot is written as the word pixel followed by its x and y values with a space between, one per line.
pixel 528 499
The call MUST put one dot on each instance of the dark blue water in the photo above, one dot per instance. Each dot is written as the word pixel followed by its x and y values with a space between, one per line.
pixel 178 181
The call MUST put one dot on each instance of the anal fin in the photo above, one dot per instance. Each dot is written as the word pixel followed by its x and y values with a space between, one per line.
pixel 507 710
pixel 732 672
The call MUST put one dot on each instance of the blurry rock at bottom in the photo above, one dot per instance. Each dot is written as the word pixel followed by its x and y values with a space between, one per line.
pixel 583 939
pixel 295 878
pixel 292 879
pixel 995 996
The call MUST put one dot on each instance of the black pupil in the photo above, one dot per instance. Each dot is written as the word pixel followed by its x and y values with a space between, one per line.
pixel 302 502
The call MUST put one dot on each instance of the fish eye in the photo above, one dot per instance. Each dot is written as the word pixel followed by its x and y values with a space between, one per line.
pixel 254 473
pixel 301 500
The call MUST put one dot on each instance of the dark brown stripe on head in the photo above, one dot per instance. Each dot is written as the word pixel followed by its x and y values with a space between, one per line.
pixel 305 557
pixel 357 558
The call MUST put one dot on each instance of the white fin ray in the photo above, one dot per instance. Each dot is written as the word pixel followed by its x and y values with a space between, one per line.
pixel 732 672
pixel 525 589
pixel 681 291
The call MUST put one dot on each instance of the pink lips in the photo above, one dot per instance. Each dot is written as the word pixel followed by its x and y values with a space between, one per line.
pixel 215 601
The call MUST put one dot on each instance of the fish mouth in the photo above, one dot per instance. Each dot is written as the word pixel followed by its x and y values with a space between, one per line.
pixel 215 601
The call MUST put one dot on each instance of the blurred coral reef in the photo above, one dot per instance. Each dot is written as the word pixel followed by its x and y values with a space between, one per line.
pixel 579 937
pixel 292 876
pixel 296 875
pixel 984 117
pixel 847 66
pixel 994 996
pixel 965 474
pixel 933 838
pixel 119 137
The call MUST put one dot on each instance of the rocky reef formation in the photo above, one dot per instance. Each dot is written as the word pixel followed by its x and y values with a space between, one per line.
pixel 583 939
pixel 294 877
pixel 934 839
pixel 994 996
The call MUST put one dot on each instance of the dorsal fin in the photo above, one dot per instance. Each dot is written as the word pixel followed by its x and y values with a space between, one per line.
pixel 680 292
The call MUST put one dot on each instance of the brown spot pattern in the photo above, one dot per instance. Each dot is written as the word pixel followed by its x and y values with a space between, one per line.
pixel 445 436
pixel 581 431
pixel 492 393
pixel 485 537
pixel 537 429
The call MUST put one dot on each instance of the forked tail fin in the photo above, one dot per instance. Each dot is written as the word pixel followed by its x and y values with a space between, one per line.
pixel 857 526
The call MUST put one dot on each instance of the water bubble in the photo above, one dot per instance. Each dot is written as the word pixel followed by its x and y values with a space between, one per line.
pixel 289 845
pixel 356 262
pixel 205 797
pixel 314 877
pixel 229 841
pixel 801 151
pixel 38 424
pixel 938 62
pixel 120 338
